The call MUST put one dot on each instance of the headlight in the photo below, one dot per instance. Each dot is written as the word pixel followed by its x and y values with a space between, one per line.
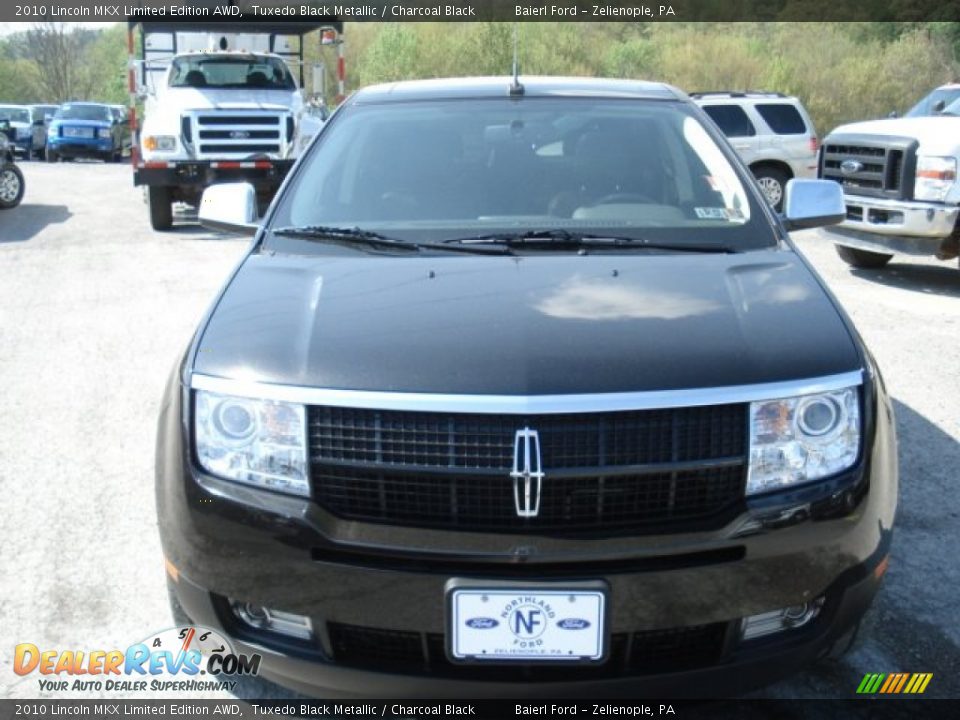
pixel 258 442
pixel 163 143
pixel 799 439
pixel 935 177
pixel 103 133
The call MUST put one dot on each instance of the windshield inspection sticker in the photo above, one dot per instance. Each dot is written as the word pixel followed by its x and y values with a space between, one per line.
pixel 711 213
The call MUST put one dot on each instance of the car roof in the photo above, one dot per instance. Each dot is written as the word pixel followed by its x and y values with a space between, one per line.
pixel 738 95
pixel 493 87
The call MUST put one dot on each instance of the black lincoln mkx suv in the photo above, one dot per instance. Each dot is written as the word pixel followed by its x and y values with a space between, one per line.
pixel 523 389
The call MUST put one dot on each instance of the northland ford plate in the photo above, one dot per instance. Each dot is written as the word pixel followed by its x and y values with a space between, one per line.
pixel 527 624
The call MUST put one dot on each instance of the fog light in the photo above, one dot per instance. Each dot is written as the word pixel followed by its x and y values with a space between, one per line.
pixel 787 618
pixel 284 623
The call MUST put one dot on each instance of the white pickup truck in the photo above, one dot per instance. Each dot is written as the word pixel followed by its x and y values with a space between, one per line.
pixel 218 107
pixel 899 179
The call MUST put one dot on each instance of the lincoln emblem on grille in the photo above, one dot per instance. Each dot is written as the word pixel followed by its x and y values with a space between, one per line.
pixel 527 473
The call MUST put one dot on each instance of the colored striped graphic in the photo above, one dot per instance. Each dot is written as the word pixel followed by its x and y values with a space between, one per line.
pixel 894 683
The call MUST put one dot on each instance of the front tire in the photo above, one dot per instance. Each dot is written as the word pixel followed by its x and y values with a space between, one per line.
pixel 11 186
pixel 865 259
pixel 773 183
pixel 161 208
pixel 51 155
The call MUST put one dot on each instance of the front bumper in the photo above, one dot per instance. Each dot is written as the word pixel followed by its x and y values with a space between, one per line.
pixel 264 174
pixel 904 226
pixel 227 541
pixel 80 147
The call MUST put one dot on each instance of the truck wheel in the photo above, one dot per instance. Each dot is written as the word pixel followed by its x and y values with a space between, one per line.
pixel 51 155
pixel 858 258
pixel 773 182
pixel 161 208
pixel 11 186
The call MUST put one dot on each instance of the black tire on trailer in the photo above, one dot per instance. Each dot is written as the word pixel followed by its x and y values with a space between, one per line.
pixel 161 207
pixel 855 257
pixel 11 186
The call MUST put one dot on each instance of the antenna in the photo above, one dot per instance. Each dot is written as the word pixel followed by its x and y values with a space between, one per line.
pixel 515 87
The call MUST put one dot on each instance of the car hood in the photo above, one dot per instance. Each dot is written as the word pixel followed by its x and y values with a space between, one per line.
pixel 529 325
pixel 78 122
pixel 188 98
pixel 936 134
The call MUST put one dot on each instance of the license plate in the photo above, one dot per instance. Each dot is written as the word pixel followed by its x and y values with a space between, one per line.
pixel 527 624
pixel 77 132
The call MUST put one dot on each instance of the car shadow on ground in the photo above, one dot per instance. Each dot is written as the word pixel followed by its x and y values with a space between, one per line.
pixel 941 279
pixel 24 221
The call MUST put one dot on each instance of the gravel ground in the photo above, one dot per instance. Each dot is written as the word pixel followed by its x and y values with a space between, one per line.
pixel 95 307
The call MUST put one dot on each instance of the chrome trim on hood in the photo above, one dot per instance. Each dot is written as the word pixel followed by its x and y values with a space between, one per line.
pixel 525 405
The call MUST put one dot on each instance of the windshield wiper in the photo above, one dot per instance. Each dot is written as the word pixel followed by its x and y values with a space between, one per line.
pixel 347 236
pixel 353 236
pixel 555 238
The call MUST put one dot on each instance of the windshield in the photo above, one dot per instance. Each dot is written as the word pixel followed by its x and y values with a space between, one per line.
pixel 235 71
pixel 14 114
pixel 927 106
pixel 85 112
pixel 439 170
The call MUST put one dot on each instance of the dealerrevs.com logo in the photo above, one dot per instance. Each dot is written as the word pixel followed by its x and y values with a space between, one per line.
pixel 178 659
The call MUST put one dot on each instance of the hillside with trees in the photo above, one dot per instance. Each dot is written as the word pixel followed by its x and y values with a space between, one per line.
pixel 841 71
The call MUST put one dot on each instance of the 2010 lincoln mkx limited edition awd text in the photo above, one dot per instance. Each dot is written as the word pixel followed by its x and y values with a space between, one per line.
pixel 523 389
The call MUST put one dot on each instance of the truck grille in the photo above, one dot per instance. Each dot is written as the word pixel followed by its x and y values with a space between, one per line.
pixel 870 165
pixel 617 472
pixel 237 135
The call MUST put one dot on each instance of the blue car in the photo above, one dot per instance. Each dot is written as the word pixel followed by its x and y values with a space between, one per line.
pixel 81 129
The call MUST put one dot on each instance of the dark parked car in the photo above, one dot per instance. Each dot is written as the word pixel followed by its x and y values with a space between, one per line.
pixel 40 117
pixel 523 388
pixel 18 130
pixel 88 130
pixel 11 179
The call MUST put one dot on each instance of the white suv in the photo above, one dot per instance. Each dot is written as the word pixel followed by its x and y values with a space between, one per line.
pixel 771 132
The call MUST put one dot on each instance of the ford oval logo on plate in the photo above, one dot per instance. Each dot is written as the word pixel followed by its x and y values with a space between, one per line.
pixel 849 167
pixel 481 623
pixel 573 624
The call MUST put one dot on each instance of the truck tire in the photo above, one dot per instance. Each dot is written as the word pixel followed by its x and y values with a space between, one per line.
pixel 773 183
pixel 161 208
pixel 51 155
pixel 858 258
pixel 11 186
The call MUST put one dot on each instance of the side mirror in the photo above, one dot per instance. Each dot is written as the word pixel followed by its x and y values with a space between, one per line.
pixel 813 203
pixel 939 106
pixel 229 207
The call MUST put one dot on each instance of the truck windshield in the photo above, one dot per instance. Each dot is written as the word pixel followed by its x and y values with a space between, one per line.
pixel 928 105
pixel 437 170
pixel 85 112
pixel 235 71
pixel 14 114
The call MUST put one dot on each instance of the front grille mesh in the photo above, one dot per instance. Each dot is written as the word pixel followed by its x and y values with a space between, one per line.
pixel 639 653
pixel 640 471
